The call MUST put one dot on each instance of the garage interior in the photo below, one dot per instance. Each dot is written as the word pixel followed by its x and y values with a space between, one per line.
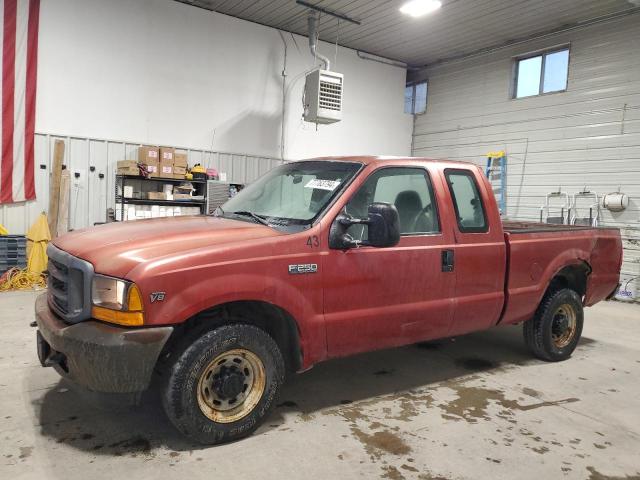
pixel 543 95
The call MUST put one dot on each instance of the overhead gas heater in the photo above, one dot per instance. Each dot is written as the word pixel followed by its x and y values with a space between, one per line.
pixel 322 98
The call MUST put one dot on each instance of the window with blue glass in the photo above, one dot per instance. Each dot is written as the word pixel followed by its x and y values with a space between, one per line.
pixel 545 72
pixel 415 98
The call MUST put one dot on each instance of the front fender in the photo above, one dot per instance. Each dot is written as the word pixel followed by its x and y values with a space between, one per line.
pixel 300 296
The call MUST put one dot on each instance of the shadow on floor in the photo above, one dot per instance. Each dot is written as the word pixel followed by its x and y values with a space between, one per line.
pixel 108 427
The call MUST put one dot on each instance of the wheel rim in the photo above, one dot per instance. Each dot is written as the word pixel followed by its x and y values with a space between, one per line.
pixel 231 386
pixel 563 325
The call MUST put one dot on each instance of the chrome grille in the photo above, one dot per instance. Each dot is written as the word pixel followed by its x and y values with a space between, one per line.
pixel 69 285
pixel 57 282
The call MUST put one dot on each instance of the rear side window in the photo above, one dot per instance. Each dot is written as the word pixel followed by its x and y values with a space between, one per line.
pixel 467 201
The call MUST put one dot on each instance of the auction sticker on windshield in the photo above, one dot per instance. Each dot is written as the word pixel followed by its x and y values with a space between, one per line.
pixel 320 184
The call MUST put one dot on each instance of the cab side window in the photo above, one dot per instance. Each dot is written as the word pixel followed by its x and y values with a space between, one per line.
pixel 467 201
pixel 409 189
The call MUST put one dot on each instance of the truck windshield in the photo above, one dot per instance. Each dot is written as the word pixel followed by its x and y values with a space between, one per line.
pixel 290 196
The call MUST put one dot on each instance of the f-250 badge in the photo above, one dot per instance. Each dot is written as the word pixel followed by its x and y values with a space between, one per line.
pixel 303 268
pixel 157 297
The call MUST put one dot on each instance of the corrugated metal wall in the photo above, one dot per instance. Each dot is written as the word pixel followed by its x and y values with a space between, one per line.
pixel 91 195
pixel 587 136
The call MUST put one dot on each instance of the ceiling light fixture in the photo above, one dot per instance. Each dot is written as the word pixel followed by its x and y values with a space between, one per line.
pixel 418 8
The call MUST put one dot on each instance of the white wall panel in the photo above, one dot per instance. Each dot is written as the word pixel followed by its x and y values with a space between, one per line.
pixel 77 156
pixel 89 195
pixel 161 72
pixel 587 136
pixel 97 187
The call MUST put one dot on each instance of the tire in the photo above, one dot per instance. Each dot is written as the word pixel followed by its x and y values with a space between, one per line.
pixel 198 396
pixel 548 335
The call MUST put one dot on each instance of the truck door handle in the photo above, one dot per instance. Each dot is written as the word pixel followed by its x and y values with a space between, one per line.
pixel 447 260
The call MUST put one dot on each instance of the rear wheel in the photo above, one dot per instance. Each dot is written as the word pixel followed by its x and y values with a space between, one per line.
pixel 224 384
pixel 554 331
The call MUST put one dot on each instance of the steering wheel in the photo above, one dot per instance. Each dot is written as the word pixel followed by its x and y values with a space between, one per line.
pixel 420 215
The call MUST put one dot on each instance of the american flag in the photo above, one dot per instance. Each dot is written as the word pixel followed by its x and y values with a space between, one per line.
pixel 19 47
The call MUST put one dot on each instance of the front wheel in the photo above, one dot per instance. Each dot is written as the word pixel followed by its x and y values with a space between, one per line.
pixel 224 384
pixel 554 331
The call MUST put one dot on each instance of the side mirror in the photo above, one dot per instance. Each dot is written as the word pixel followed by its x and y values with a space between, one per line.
pixel 383 228
pixel 384 225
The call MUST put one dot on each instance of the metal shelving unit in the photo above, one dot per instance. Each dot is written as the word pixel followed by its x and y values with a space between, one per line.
pixel 122 180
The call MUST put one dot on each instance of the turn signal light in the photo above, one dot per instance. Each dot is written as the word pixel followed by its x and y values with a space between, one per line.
pixel 129 319
pixel 134 299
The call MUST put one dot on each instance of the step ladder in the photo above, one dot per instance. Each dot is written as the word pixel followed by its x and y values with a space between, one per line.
pixel 556 208
pixel 496 172
pixel 585 209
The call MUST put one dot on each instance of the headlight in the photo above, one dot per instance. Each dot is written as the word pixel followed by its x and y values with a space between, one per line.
pixel 116 301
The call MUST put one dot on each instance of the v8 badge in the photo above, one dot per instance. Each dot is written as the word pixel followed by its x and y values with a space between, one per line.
pixel 157 296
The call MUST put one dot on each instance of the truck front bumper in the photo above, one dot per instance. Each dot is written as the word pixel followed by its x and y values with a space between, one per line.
pixel 98 356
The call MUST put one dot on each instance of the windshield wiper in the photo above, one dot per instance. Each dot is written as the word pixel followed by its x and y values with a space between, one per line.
pixel 246 213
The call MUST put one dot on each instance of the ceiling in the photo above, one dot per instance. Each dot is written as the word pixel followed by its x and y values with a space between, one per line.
pixel 460 27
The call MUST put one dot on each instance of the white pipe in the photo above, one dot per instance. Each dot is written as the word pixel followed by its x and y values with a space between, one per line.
pixel 284 97
pixel 312 22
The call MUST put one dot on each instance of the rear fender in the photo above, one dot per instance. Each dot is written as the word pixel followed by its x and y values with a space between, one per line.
pixel 523 300
pixel 606 261
pixel 568 260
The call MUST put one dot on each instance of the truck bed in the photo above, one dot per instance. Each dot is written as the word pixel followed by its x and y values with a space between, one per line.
pixel 537 252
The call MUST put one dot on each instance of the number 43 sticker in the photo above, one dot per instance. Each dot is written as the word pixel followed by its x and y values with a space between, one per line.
pixel 313 241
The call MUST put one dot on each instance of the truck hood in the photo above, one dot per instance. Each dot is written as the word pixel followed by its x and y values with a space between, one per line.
pixel 116 248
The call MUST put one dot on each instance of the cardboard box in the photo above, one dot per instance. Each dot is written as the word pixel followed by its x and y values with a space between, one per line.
pixel 148 154
pixel 129 171
pixel 128 167
pixel 181 196
pixel 167 154
pixel 166 170
pixel 179 165
pixel 153 167
pixel 180 160
pixel 179 172
pixel 156 196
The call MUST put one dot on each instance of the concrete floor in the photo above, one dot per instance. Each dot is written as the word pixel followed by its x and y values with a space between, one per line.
pixel 475 407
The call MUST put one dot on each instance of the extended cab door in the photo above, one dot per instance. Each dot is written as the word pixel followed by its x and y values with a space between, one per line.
pixel 382 297
pixel 479 251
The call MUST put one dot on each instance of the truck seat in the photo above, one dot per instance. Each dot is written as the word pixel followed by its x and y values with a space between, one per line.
pixel 409 207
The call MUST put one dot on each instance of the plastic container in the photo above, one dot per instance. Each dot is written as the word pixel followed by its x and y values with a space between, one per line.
pixel 13 252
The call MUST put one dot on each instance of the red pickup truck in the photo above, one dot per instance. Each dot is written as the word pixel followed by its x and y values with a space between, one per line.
pixel 317 259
